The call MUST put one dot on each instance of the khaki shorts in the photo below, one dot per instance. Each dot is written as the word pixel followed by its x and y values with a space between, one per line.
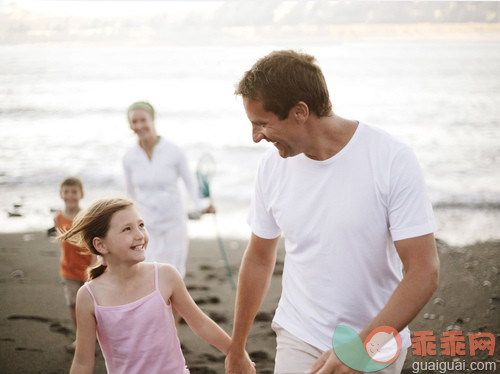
pixel 71 287
pixel 294 356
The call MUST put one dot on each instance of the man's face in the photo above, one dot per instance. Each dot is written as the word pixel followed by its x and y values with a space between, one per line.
pixel 284 134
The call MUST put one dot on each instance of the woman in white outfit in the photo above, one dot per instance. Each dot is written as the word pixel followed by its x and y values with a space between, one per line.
pixel 152 169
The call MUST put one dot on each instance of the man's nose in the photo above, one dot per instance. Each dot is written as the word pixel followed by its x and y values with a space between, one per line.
pixel 257 133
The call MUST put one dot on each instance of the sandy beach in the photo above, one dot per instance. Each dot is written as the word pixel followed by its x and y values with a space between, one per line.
pixel 35 324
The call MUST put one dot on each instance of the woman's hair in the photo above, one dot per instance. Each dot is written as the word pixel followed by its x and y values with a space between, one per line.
pixel 144 105
pixel 283 78
pixel 91 223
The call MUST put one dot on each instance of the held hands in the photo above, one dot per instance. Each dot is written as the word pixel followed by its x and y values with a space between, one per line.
pixel 329 363
pixel 239 363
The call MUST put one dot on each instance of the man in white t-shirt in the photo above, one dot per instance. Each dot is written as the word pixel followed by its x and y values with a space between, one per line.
pixel 351 203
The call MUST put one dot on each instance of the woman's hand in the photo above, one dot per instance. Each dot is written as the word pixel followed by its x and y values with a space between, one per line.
pixel 209 210
pixel 197 214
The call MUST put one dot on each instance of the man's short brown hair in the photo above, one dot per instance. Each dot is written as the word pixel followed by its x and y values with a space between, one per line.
pixel 283 78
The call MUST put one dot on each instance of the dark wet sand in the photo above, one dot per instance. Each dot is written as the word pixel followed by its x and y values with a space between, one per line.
pixel 35 324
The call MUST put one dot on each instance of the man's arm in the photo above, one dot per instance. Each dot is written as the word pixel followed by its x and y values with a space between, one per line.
pixel 253 283
pixel 421 263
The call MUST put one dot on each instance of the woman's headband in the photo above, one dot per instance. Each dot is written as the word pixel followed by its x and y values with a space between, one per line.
pixel 141 105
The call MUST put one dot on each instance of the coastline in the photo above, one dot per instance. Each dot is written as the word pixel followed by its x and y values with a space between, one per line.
pixel 35 323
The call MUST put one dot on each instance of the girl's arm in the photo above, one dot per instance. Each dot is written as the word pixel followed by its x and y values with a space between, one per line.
pixel 198 321
pixel 83 362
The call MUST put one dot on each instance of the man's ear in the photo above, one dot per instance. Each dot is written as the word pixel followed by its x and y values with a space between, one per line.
pixel 99 245
pixel 301 111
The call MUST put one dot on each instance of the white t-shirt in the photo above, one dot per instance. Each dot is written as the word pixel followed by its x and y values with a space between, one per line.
pixel 153 184
pixel 339 218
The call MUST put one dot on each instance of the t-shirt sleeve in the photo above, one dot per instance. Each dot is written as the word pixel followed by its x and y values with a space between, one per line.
pixel 410 210
pixel 260 218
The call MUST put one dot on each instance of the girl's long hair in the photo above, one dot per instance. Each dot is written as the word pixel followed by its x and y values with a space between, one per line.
pixel 91 223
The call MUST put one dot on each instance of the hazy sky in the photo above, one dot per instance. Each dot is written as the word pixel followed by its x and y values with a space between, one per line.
pixel 89 8
pixel 233 21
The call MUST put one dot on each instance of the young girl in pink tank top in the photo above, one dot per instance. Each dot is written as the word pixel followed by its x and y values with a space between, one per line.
pixel 127 304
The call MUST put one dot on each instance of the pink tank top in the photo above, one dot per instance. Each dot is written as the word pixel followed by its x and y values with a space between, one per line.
pixel 139 337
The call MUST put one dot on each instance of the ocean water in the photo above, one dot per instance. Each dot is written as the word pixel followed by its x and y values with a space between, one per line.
pixel 62 112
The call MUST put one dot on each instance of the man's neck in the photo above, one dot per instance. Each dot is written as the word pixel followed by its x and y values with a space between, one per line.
pixel 329 135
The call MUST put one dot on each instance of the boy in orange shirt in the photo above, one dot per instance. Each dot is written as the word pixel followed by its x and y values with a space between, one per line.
pixel 74 260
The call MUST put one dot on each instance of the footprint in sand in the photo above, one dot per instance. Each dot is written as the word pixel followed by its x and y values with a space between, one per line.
pixel 28 349
pixel 57 327
pixel 218 317
pixel 197 288
pixel 207 300
pixel 259 356
pixel 30 318
pixel 206 267
pixel 201 370
pixel 211 358
pixel 264 317
pixel 54 325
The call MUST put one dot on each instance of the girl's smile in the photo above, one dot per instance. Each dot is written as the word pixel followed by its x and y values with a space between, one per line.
pixel 126 233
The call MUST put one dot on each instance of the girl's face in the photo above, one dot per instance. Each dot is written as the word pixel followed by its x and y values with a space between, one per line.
pixel 142 123
pixel 127 237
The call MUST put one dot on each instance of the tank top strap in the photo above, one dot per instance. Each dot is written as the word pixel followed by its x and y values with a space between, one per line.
pixel 157 287
pixel 87 285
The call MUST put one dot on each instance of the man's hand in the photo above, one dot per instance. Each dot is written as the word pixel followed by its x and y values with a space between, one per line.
pixel 239 363
pixel 329 363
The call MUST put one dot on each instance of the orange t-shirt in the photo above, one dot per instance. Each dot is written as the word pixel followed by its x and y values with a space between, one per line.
pixel 74 260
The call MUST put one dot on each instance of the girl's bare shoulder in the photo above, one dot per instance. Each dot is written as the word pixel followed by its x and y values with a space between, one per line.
pixel 167 270
pixel 84 297
pixel 169 280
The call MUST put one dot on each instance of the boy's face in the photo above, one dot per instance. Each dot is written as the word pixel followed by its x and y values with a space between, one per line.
pixel 71 196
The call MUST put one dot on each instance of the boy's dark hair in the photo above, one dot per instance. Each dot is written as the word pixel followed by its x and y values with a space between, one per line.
pixel 283 78
pixel 72 181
